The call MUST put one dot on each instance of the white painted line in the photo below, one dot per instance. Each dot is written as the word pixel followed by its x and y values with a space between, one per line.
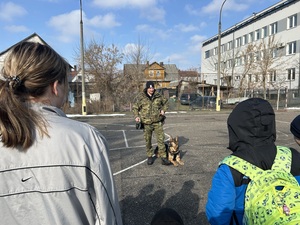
pixel 278 131
pixel 279 121
pixel 115 149
pixel 130 167
pixel 125 139
pixel 139 163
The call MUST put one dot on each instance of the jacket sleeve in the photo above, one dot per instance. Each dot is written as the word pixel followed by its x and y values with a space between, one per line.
pixel 107 203
pixel 165 104
pixel 221 197
pixel 136 106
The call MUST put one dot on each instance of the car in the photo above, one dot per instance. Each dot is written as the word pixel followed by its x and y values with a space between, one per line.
pixel 186 98
pixel 203 102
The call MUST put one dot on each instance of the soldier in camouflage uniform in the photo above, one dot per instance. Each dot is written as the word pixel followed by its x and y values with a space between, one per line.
pixel 149 109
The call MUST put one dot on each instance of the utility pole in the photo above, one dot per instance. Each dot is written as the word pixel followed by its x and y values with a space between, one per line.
pixel 84 110
pixel 218 103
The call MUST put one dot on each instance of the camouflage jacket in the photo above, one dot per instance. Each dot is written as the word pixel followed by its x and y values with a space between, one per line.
pixel 148 109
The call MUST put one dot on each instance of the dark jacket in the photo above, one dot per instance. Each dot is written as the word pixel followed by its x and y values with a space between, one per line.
pixel 252 136
pixel 148 107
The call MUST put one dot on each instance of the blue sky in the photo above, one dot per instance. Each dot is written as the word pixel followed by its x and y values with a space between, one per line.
pixel 172 29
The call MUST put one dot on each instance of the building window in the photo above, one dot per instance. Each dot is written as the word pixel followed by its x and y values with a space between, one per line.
pixel 229 63
pixel 223 48
pixel 249 78
pixel 244 40
pixel 292 21
pixel 272 76
pixel 273 28
pixel 222 65
pixel 238 61
pixel 151 73
pixel 238 42
pixel 206 54
pixel 257 35
pixel 291 48
pixel 291 74
pixel 250 39
pixel 215 51
pixel 158 73
pixel 216 66
pixel 237 77
pixel 244 60
pixel 229 45
pixel 264 32
pixel 275 52
pixel 257 56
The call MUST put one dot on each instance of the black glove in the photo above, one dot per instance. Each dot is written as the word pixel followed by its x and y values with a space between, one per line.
pixel 139 126
pixel 162 119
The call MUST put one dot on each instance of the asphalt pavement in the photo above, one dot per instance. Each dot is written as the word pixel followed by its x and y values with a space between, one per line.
pixel 203 139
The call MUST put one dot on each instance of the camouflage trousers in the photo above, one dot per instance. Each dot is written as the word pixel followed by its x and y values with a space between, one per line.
pixel 158 130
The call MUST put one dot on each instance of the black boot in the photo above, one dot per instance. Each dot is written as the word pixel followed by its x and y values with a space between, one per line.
pixel 150 161
pixel 165 161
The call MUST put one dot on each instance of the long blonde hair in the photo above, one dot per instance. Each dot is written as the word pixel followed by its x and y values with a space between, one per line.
pixel 28 71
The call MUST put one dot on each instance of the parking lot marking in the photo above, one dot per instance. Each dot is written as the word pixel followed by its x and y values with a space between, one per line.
pixel 125 139
pixel 128 168
pixel 115 149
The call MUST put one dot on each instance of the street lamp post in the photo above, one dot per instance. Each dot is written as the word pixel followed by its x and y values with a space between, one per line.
pixel 82 63
pixel 219 60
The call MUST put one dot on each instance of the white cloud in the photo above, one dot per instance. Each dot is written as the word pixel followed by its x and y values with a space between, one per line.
pixel 196 43
pixel 215 6
pixel 162 34
pixel 198 38
pixel 106 21
pixel 68 24
pixel 154 14
pixel 129 47
pixel 174 57
pixel 124 3
pixel 186 28
pixel 16 29
pixel 192 10
pixel 182 62
pixel 9 11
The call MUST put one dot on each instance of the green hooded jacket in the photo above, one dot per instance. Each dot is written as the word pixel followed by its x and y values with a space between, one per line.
pixel 148 108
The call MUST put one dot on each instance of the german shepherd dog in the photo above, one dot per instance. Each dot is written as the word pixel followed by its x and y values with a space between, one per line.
pixel 173 152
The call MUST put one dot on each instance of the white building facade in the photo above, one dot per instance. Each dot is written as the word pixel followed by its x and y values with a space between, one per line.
pixel 260 52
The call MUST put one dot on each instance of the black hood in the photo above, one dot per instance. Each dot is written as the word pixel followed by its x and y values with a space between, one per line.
pixel 251 124
pixel 252 133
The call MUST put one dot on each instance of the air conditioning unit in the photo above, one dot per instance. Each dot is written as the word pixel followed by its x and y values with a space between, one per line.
pixel 281 45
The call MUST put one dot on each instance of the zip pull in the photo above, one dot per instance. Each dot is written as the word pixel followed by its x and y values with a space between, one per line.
pixel 286 210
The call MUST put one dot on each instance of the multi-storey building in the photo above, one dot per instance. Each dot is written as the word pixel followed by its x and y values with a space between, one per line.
pixel 259 53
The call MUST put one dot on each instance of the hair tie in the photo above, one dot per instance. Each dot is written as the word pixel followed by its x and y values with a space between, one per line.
pixel 14 81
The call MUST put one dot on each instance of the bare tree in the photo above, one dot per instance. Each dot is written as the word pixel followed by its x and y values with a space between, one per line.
pixel 296 64
pixel 136 56
pixel 246 62
pixel 227 63
pixel 267 58
pixel 101 62
pixel 277 79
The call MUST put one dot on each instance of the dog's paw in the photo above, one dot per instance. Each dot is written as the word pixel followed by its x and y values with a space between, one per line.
pixel 180 162
pixel 174 163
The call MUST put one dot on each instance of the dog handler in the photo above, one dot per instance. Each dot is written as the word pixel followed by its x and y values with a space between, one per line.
pixel 149 109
